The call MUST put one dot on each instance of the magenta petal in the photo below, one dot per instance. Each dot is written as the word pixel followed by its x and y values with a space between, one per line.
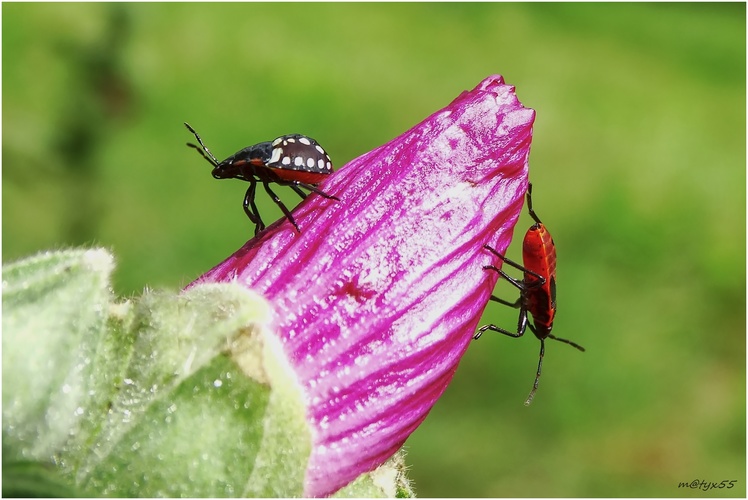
pixel 378 297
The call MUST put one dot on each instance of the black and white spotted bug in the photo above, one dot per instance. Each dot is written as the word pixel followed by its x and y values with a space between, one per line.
pixel 292 160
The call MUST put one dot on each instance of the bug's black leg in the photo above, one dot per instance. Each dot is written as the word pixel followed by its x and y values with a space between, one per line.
pixel 282 206
pixel 516 304
pixel 298 191
pixel 521 327
pixel 315 189
pixel 511 263
pixel 521 284
pixel 251 209
pixel 537 376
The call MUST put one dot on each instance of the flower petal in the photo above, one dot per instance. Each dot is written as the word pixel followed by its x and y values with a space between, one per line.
pixel 378 297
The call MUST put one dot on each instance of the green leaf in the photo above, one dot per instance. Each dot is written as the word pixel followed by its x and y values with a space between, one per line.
pixel 52 303
pixel 33 480
pixel 387 481
pixel 184 394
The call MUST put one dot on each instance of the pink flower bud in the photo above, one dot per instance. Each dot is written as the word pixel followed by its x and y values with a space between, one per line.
pixel 378 298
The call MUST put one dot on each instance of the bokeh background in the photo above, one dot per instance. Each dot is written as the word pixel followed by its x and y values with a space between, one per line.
pixel 638 162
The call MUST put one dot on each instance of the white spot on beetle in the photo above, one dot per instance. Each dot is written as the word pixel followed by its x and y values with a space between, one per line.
pixel 329 166
pixel 286 160
pixel 277 152
pixel 291 139
pixel 310 162
pixel 320 164
pixel 298 161
pixel 304 140
pixel 277 141
pixel 319 148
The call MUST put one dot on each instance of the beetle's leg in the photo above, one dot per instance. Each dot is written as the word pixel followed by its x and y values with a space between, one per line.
pixel 521 284
pixel 251 209
pixel 521 327
pixel 314 189
pixel 513 264
pixel 298 191
pixel 282 206
pixel 516 304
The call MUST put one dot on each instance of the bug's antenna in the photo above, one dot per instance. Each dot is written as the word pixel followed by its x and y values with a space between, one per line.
pixel 204 152
pixel 540 364
pixel 537 376
pixel 573 344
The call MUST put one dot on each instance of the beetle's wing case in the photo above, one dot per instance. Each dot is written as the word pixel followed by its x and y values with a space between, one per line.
pixel 300 153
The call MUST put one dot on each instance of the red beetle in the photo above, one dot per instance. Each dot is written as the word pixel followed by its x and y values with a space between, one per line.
pixel 293 160
pixel 537 290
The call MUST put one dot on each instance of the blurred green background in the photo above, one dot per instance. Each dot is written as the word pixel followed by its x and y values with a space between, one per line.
pixel 638 163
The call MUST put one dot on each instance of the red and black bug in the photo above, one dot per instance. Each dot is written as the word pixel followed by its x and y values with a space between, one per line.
pixel 293 160
pixel 537 289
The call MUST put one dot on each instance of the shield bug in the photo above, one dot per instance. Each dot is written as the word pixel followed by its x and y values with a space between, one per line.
pixel 537 289
pixel 292 160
